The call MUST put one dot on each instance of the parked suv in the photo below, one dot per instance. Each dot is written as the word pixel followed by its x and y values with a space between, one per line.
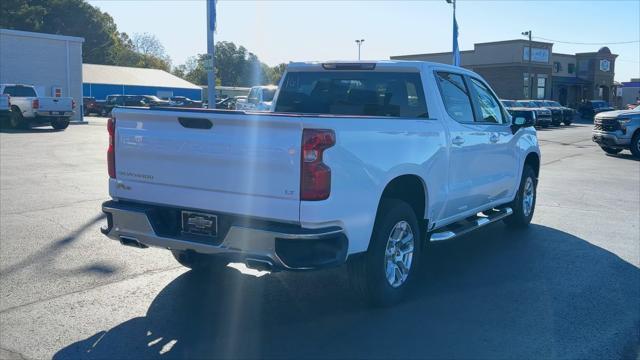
pixel 133 100
pixel 590 108
pixel 517 109
pixel 619 130
pixel 543 115
pixel 567 113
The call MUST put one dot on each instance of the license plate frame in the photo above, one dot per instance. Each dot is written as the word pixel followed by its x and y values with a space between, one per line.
pixel 198 223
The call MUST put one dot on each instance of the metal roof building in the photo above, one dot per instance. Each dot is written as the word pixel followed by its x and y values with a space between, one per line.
pixel 99 81
pixel 51 63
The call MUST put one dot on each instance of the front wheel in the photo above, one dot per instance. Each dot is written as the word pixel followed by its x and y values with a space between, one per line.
pixel 16 120
pixel 635 145
pixel 568 122
pixel 386 271
pixel 524 204
pixel 60 123
pixel 610 150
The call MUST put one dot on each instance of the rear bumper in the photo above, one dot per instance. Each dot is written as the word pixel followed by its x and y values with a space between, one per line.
pixel 610 139
pixel 54 114
pixel 273 245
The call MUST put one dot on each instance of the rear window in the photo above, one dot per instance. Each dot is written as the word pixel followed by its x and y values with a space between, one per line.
pixel 19 91
pixel 353 93
pixel 268 94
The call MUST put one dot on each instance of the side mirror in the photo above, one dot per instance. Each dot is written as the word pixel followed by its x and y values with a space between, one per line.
pixel 521 121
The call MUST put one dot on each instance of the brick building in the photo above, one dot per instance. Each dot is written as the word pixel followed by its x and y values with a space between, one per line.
pixel 567 78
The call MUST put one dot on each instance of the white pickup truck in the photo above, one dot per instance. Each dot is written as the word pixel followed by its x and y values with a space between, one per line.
pixel 260 98
pixel 28 109
pixel 364 163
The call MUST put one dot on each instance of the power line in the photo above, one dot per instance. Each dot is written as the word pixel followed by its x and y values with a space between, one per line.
pixel 584 43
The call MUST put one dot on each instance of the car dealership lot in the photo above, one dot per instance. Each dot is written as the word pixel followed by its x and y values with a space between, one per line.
pixel 566 287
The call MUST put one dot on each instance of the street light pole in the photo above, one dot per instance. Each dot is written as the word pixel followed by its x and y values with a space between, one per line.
pixel 211 48
pixel 359 42
pixel 529 77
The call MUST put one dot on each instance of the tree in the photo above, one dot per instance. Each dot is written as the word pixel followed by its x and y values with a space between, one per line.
pixel 234 65
pixel 103 43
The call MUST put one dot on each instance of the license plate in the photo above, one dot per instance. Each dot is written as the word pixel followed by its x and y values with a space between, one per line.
pixel 199 224
pixel 56 112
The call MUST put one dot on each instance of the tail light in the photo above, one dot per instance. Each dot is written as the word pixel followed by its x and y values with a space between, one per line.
pixel 315 176
pixel 111 151
pixel 35 104
pixel 73 104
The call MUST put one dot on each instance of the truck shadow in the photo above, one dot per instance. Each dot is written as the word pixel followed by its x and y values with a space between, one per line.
pixel 539 293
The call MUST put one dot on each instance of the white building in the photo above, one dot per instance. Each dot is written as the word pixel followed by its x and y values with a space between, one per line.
pixel 51 63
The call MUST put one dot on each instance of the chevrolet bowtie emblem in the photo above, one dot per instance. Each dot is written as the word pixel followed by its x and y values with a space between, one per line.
pixel 200 222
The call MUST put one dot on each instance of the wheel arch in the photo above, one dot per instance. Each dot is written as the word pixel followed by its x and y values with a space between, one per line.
pixel 409 188
pixel 533 159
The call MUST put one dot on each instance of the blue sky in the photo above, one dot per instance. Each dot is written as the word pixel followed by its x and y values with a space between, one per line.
pixel 283 31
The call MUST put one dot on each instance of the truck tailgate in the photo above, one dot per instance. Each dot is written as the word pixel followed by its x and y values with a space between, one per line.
pixel 55 104
pixel 243 164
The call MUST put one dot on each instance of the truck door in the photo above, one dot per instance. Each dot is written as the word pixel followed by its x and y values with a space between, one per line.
pixel 499 155
pixel 468 141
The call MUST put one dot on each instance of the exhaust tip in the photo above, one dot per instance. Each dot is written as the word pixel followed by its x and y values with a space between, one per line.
pixel 259 264
pixel 133 242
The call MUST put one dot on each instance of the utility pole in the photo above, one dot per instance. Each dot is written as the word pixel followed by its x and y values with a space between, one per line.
pixel 211 49
pixel 530 77
pixel 359 42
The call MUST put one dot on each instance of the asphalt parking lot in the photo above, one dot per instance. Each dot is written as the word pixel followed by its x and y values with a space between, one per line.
pixel 567 287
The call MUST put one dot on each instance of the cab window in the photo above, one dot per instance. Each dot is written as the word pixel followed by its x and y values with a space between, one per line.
pixel 489 109
pixel 455 96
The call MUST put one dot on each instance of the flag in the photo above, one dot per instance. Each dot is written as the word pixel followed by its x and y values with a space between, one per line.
pixel 456 49
pixel 211 6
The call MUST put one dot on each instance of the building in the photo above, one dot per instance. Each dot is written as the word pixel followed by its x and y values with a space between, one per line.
pixel 101 81
pixel 567 78
pixel 51 63
pixel 630 92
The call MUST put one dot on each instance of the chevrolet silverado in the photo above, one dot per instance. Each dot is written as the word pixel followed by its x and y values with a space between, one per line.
pixel 362 163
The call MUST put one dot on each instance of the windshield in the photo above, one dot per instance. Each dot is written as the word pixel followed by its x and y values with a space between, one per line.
pixel 527 104
pixel 539 103
pixel 353 93
pixel 267 94
pixel 508 103
pixel 152 98
pixel 552 103
pixel 599 104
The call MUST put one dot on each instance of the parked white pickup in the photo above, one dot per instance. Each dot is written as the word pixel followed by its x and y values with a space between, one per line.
pixel 360 162
pixel 260 98
pixel 28 109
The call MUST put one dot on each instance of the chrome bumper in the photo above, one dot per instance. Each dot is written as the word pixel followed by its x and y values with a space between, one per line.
pixel 54 113
pixel 610 139
pixel 275 246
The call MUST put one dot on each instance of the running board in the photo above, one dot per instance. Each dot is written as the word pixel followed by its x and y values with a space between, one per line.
pixel 465 226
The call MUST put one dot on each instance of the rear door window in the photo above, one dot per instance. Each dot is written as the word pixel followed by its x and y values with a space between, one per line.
pixel 356 93
pixel 455 96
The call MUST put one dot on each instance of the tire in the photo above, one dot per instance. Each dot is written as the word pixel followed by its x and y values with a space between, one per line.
pixel 368 271
pixel 60 123
pixel 568 122
pixel 199 262
pixel 16 120
pixel 611 151
pixel 635 145
pixel 524 206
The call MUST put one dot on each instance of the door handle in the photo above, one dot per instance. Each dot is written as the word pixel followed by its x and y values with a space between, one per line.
pixel 458 140
pixel 494 138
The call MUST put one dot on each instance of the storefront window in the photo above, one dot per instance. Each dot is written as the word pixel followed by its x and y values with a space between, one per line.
pixel 571 68
pixel 541 84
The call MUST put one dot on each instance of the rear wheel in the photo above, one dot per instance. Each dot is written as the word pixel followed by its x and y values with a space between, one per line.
pixel 199 262
pixel 635 145
pixel 610 150
pixel 386 271
pixel 16 120
pixel 524 204
pixel 60 123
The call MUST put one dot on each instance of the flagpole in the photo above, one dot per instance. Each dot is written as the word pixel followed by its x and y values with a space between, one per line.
pixel 211 49
pixel 455 54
